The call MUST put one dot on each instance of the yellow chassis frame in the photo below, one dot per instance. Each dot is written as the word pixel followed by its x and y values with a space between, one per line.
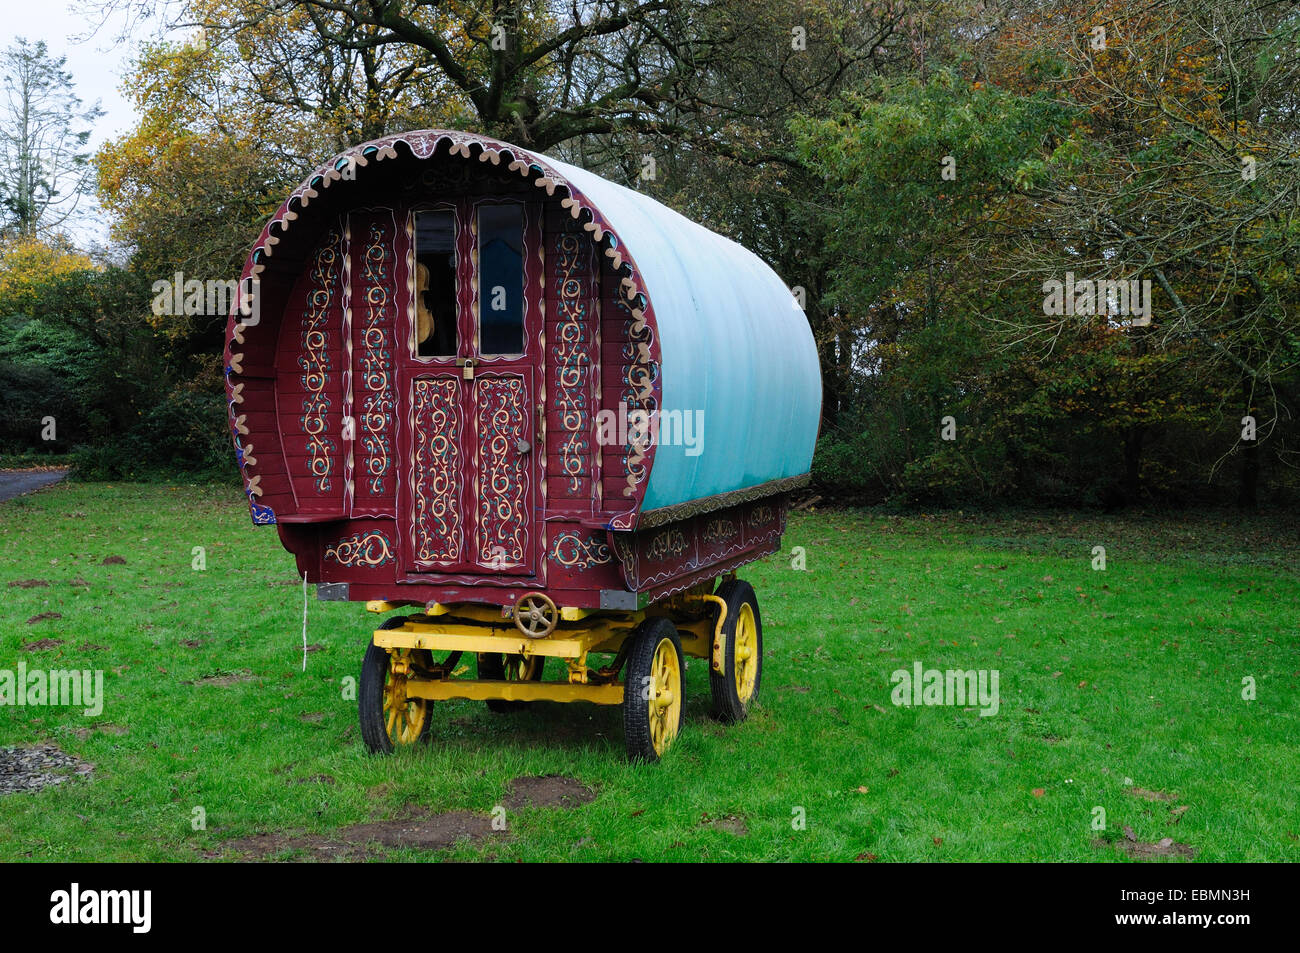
pixel 579 633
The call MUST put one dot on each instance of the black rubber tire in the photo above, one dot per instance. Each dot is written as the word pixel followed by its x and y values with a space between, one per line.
pixel 370 697
pixel 636 707
pixel 727 704
pixel 493 665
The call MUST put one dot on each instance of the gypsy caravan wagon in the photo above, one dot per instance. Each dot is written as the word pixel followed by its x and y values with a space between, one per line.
pixel 536 418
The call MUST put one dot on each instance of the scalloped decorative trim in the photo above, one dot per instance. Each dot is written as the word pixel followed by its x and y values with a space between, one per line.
pixel 423 144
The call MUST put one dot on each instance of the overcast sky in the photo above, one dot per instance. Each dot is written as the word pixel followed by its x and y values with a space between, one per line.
pixel 97 64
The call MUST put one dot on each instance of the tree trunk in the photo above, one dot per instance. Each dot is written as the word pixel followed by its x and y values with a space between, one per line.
pixel 1248 488
pixel 1133 445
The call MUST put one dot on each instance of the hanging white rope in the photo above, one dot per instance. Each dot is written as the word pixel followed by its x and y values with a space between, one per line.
pixel 304 622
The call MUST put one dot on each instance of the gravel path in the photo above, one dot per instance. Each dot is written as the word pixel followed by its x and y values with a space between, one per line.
pixel 30 769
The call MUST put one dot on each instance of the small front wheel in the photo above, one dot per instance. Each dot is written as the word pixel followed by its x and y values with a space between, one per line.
pixel 388 717
pixel 509 668
pixel 653 690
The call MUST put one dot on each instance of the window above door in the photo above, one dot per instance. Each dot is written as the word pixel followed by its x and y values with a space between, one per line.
pixel 501 280
pixel 452 322
pixel 435 284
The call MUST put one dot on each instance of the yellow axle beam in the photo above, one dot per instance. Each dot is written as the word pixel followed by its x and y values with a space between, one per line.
pixel 481 690
pixel 449 637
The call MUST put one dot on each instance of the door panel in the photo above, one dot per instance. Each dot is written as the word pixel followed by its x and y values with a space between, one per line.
pixel 474 475
pixel 503 531
pixel 437 517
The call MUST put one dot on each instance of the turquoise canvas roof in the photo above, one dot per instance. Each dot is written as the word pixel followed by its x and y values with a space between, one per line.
pixel 734 345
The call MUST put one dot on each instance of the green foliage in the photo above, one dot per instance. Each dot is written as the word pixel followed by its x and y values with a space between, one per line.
pixel 912 164
pixel 185 433
pixel 81 351
pixel 934 196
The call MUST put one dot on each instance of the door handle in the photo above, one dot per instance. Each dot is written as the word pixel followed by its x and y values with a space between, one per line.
pixel 523 446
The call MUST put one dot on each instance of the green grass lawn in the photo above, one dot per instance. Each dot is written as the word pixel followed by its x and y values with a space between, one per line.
pixel 1120 689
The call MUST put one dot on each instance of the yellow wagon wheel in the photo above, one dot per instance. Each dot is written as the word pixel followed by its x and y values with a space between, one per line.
pixel 389 717
pixel 735 690
pixel 509 668
pixel 536 615
pixel 654 690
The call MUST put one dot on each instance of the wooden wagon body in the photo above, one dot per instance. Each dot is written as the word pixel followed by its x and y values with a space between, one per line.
pixel 462 373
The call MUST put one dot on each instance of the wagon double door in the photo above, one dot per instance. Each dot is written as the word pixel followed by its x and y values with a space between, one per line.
pixel 469 375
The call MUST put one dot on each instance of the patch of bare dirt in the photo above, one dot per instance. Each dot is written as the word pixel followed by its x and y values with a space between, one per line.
pixel 44 617
pixel 419 831
pixel 38 767
pixel 727 822
pixel 549 790
pixel 224 679
pixel 41 645
pixel 1165 847
pixel 1146 795
pixel 113 561
pixel 27 583
pixel 105 729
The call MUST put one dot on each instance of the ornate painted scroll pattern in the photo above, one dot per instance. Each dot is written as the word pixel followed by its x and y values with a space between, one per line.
pixel 718 530
pixel 368 550
pixel 314 361
pixel 572 362
pixel 503 477
pixel 638 395
pixel 436 517
pixel 376 417
pixel 574 552
pixel 668 544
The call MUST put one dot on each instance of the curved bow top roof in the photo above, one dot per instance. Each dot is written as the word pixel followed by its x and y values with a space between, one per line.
pixel 734 353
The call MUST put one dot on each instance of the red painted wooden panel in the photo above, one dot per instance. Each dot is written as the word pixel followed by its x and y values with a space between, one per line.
pixel 310 382
pixel 562 286
pixel 503 517
pixel 573 335
pixel 438 457
pixel 257 368
pixel 562 331
pixel 561 492
pixel 359 550
pixel 378 243
pixel 616 351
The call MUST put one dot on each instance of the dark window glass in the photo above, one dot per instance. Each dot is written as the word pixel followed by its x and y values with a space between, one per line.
pixel 501 279
pixel 435 284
